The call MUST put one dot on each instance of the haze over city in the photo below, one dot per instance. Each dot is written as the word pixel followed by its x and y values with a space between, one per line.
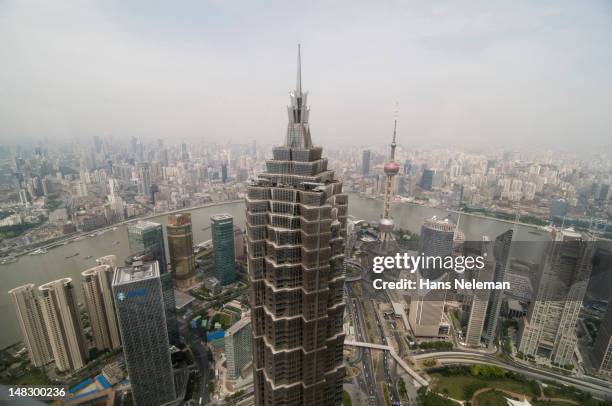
pixel 498 73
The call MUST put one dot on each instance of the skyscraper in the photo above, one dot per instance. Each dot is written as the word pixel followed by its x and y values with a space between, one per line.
pixel 549 330
pixel 180 246
pixel 137 292
pixel 224 174
pixel 365 162
pixel 296 226
pixel 602 348
pixel 501 253
pixel 238 347
pixel 146 240
pixel 32 324
pixel 144 178
pixel 427 305
pixel 427 179
pixel 63 324
pixel 479 297
pixel 222 227
pixel 97 289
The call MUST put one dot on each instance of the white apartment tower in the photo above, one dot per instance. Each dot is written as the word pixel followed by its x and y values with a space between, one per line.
pixel 32 324
pixel 63 323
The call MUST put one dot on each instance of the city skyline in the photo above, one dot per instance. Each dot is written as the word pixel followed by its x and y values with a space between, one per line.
pixel 496 73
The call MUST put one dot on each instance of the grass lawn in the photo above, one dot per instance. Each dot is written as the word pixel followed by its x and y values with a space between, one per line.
pixel 454 386
pixel 31 378
pixel 346 399
pixel 491 398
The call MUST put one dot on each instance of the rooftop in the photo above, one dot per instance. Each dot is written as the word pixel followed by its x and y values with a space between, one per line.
pixel 136 272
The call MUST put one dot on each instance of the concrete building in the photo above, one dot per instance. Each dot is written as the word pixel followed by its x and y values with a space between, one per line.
pixel 180 246
pixel 501 252
pixel 146 240
pixel 32 324
pixel 427 306
pixel 549 330
pixel 137 292
pixel 222 228
pixel 479 297
pixel 296 225
pixel 365 162
pixel 63 324
pixel 602 348
pixel 238 347
pixel 98 295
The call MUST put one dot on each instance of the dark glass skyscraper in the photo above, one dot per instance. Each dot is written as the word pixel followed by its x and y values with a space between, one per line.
pixel 146 240
pixel 140 312
pixel 296 226
pixel 365 162
pixel 222 227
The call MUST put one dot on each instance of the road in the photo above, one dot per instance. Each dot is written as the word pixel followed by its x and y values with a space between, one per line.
pixel 597 388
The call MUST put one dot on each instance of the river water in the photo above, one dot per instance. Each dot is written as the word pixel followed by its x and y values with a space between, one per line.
pixel 53 265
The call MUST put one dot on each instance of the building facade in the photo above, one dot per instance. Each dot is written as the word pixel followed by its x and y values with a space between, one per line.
pixel 602 348
pixel 238 347
pixel 296 225
pixel 63 324
pixel 137 292
pixel 32 324
pixel 146 240
pixel 222 228
pixel 180 247
pixel 549 330
pixel 98 295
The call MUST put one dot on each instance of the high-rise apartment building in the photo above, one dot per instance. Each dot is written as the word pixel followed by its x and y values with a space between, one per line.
pixel 296 225
pixel 146 240
pixel 365 162
pixel 63 324
pixel 32 324
pixel 98 295
pixel 137 292
pixel 180 247
pixel 238 347
pixel 222 229
pixel 549 329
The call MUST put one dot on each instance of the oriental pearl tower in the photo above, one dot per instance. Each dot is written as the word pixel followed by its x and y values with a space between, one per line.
pixel 386 225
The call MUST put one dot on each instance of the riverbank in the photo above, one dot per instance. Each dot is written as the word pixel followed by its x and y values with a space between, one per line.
pixel 47 245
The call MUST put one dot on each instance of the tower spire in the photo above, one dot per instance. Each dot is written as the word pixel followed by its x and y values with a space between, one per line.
pixel 298 86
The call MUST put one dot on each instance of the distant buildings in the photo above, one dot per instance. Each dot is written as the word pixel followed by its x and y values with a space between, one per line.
pixel 238 347
pixel 222 227
pixel 32 324
pixel 146 240
pixel 63 324
pixel 549 330
pixel 180 246
pixel 558 209
pixel 97 289
pixel 140 308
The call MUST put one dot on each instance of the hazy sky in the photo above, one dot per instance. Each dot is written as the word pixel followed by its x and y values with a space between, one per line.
pixel 505 73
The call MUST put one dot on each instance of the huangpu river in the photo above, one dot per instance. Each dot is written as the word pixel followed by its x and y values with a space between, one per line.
pixel 61 261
